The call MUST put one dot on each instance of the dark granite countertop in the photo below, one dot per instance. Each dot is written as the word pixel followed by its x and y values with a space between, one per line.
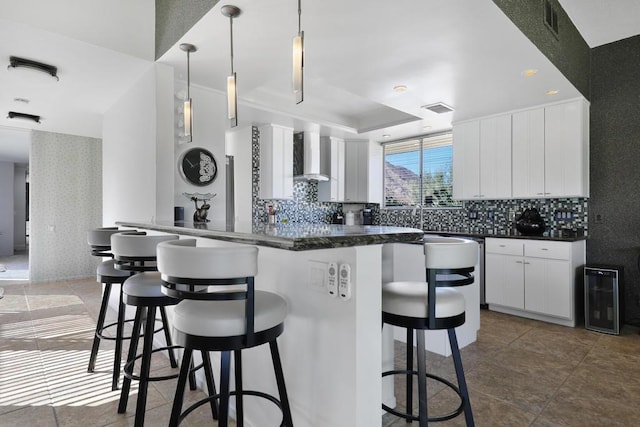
pixel 560 236
pixel 291 236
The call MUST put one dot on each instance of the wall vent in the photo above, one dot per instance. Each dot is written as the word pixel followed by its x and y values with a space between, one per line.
pixel 439 107
pixel 551 17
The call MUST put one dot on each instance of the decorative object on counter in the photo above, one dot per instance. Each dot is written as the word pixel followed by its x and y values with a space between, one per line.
pixel 271 213
pixel 198 166
pixel 337 218
pixel 188 117
pixel 200 215
pixel 350 218
pixel 298 60
pixel 232 92
pixel 530 223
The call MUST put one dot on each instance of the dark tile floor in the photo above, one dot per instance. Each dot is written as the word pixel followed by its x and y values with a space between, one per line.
pixel 520 372
pixel 524 372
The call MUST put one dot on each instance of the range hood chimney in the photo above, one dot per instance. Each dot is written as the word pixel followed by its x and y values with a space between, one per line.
pixel 309 161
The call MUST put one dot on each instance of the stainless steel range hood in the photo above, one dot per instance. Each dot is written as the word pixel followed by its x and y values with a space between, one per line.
pixel 310 162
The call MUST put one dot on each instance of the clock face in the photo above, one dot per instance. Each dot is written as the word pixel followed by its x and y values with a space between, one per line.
pixel 198 166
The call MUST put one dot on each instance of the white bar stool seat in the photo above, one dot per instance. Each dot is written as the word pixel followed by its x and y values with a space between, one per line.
pixel 434 304
pixel 221 311
pixel 99 240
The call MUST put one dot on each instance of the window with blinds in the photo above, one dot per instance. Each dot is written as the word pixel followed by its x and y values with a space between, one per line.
pixel 419 172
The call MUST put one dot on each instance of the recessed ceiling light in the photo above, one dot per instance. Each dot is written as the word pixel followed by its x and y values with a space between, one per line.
pixel 400 88
pixel 552 92
pixel 386 135
pixel 530 72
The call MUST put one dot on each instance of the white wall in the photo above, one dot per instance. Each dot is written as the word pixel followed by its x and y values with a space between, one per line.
pixel 19 206
pixel 239 145
pixel 6 208
pixel 66 200
pixel 209 126
pixel 137 136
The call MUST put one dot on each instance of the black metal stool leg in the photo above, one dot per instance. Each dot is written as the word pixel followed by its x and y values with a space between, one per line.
pixel 409 379
pixel 133 349
pixel 284 398
pixel 422 380
pixel 117 357
pixel 211 385
pixel 182 382
pixel 192 377
pixel 167 337
pixel 225 367
pixel 237 360
pixel 462 383
pixel 99 325
pixel 145 368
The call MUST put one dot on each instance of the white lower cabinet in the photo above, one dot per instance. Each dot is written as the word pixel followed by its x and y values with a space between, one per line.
pixel 534 278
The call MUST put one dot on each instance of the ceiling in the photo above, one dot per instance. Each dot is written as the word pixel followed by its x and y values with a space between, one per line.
pixel 466 54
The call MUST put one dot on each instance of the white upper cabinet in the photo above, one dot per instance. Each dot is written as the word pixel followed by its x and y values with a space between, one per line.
pixel 466 160
pixel 363 172
pixel 495 157
pixel 537 153
pixel 482 159
pixel 276 162
pixel 528 153
pixel 333 190
pixel 566 154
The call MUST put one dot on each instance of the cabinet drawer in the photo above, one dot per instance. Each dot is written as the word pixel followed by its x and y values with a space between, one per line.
pixel 549 250
pixel 504 246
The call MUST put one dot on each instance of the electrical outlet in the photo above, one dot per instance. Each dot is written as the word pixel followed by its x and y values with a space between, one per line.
pixel 318 275
pixel 599 219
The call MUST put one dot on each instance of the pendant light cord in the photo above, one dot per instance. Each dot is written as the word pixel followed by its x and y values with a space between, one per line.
pixel 188 75
pixel 231 38
pixel 299 15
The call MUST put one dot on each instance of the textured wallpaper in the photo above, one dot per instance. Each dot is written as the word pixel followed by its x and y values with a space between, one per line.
pixel 65 201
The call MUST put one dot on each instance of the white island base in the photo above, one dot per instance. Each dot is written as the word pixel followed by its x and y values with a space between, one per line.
pixel 331 348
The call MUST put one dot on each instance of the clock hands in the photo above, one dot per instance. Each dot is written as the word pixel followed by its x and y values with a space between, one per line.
pixel 190 164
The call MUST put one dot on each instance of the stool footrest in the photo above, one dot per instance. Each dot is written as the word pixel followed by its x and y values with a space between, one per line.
pixel 444 381
pixel 260 394
pixel 111 325
pixel 128 367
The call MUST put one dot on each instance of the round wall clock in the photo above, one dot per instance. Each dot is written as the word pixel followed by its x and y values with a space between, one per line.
pixel 198 166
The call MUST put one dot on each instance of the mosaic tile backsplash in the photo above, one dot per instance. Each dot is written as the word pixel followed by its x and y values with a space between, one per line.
pixel 482 216
pixel 492 216
pixel 304 207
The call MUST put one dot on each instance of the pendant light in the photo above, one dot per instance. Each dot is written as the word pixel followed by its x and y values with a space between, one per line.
pixel 298 61
pixel 188 117
pixel 232 92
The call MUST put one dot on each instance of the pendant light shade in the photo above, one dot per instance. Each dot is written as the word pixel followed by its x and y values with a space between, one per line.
pixel 232 90
pixel 188 117
pixel 298 61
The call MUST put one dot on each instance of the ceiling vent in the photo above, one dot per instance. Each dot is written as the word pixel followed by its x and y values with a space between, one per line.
pixel 24 116
pixel 439 107
pixel 551 17
pixel 16 62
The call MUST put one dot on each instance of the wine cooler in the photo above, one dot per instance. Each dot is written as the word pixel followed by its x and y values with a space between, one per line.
pixel 603 296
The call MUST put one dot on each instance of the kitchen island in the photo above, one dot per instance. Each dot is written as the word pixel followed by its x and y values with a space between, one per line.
pixel 331 346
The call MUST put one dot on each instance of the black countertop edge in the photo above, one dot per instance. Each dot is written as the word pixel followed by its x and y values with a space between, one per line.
pixel 567 236
pixel 294 237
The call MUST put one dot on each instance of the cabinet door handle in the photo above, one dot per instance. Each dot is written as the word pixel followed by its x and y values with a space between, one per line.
pixel 544 249
pixel 526 263
pixel 518 262
pixel 540 194
pixel 503 246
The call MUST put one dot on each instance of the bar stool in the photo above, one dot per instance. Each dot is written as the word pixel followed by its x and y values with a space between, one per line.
pixel 100 241
pixel 136 252
pixel 432 305
pixel 214 316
